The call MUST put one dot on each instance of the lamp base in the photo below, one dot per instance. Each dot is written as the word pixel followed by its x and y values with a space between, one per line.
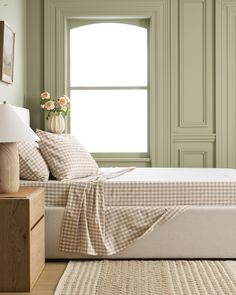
pixel 9 168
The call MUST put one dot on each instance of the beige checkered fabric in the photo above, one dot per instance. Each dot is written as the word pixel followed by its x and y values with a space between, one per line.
pixel 89 227
pixel 170 193
pixel 32 164
pixel 105 215
pixel 56 192
pixel 66 157
pixel 146 193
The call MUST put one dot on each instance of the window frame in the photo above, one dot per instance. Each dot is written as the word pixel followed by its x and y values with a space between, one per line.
pixel 162 50
pixel 118 158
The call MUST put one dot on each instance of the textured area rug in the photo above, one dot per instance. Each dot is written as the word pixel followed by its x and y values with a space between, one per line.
pixel 148 277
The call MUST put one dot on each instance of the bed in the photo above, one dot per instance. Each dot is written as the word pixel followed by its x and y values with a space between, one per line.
pixel 202 203
pixel 205 230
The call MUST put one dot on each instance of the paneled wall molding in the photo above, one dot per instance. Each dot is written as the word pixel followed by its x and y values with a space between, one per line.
pixel 192 58
pixel 225 83
pixel 194 137
pixel 56 14
pixel 192 68
pixel 185 155
pixel 194 154
pixel 185 121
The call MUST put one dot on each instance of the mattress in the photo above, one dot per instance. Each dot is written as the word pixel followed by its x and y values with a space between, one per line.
pixel 154 187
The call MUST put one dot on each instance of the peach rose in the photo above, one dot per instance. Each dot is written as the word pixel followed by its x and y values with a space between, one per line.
pixel 62 101
pixel 49 105
pixel 42 106
pixel 45 95
pixel 67 98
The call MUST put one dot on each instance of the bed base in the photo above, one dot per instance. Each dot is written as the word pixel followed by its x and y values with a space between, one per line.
pixel 200 232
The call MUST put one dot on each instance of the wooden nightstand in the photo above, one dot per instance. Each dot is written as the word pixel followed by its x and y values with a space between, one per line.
pixel 22 246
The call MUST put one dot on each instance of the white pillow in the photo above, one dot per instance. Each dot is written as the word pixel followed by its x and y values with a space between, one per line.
pixel 66 157
pixel 32 164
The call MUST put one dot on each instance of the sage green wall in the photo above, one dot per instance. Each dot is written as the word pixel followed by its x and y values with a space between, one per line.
pixel 35 61
pixel 193 99
pixel 14 13
pixel 193 104
pixel 225 90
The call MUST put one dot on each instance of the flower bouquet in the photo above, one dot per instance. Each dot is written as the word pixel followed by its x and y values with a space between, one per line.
pixel 58 105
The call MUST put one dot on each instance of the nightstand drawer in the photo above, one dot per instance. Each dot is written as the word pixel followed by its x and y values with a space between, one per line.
pixel 37 250
pixel 21 239
pixel 36 207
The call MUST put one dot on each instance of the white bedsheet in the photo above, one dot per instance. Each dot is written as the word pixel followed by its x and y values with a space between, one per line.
pixel 175 174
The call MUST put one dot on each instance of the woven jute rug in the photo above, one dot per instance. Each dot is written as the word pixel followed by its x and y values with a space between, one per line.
pixel 148 277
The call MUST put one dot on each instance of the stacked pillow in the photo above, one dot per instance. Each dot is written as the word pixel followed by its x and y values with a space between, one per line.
pixel 66 157
pixel 63 155
pixel 32 164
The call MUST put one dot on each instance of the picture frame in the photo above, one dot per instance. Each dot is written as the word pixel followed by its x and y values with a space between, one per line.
pixel 7 46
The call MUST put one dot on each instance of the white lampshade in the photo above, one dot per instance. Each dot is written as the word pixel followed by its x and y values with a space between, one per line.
pixel 12 130
pixel 12 127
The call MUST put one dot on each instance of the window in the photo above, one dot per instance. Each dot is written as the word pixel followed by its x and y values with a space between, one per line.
pixel 108 84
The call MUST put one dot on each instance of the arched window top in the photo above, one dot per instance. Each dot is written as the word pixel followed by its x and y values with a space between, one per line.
pixel 114 28
pixel 108 54
pixel 140 22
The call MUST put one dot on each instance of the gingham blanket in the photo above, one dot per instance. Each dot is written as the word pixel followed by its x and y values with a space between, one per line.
pixel 92 227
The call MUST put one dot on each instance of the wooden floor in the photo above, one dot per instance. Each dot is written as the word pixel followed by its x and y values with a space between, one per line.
pixel 47 281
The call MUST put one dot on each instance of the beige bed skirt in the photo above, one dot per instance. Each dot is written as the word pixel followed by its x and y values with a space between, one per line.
pixel 199 232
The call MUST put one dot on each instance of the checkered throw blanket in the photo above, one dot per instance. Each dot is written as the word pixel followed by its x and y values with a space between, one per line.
pixel 91 228
pixel 106 213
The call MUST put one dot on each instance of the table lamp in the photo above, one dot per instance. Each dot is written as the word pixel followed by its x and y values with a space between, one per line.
pixel 12 130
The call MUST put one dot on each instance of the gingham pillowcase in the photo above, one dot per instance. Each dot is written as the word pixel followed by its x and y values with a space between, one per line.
pixel 32 164
pixel 66 157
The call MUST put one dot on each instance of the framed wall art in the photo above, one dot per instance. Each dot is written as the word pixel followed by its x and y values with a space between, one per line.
pixel 7 44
